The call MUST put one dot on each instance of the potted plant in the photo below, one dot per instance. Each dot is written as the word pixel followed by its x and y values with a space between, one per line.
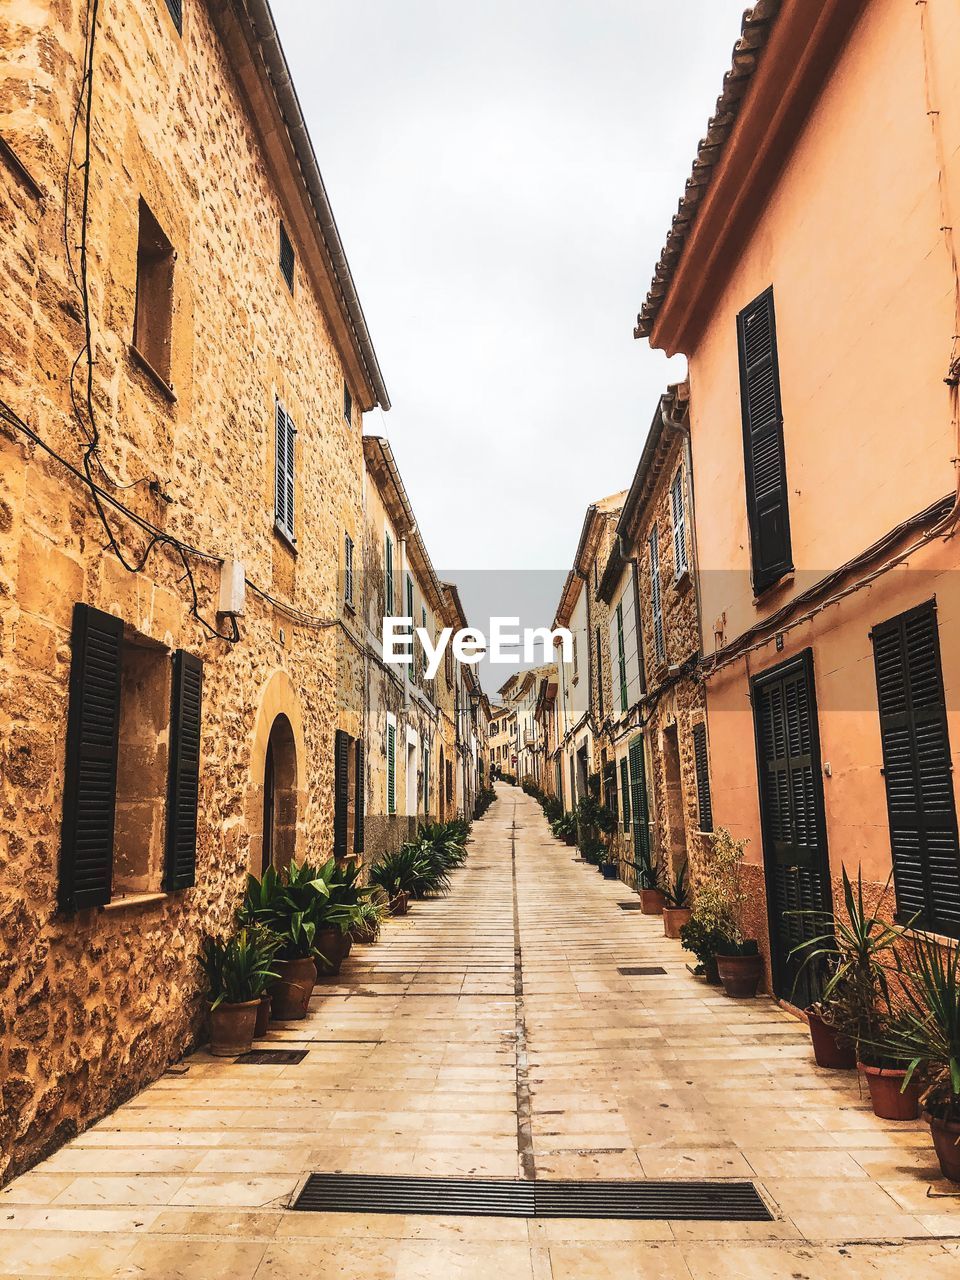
pixel 397 874
pixel 650 884
pixel 858 950
pixel 289 904
pixel 923 1031
pixel 609 868
pixel 676 911
pixel 565 828
pixel 237 971
pixel 720 903
pixel 703 941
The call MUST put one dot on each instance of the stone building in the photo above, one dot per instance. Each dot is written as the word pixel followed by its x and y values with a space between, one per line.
pixel 821 335
pixel 654 730
pixel 408 743
pixel 181 487
pixel 584 682
pixel 502 739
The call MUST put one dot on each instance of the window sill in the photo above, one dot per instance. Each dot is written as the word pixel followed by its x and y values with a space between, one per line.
pixel 156 378
pixel 683 583
pixel 781 584
pixel 289 542
pixel 350 607
pixel 930 935
pixel 132 900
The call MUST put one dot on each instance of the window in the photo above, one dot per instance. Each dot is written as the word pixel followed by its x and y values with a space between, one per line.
pixel 360 796
pixel 287 257
pixel 348 568
pixel 680 563
pixel 388 578
pixel 917 770
pixel 638 800
pixel 391 767
pixel 175 8
pixel 342 760
pixel 702 765
pixel 599 674
pixel 132 768
pixel 621 659
pixel 659 645
pixel 347 403
pixel 284 454
pixel 576 660
pixel 153 318
pixel 764 460
pixel 426 780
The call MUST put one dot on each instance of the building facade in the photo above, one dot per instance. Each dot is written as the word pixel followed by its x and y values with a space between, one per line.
pixel 821 336
pixel 181 469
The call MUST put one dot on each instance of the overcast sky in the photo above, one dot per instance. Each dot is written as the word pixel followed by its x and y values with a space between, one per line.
pixel 503 173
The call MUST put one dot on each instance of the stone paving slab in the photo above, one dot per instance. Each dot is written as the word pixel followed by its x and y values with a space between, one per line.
pixel 489 1033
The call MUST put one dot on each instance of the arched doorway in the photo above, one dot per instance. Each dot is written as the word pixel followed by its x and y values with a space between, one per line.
pixel 279 796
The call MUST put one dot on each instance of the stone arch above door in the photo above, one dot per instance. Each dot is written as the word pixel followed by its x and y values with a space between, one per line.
pixel 279 719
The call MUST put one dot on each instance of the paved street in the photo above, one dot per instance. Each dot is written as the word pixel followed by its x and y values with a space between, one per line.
pixel 490 1034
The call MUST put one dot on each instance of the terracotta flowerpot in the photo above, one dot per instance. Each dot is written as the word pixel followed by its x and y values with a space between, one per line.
pixel 674 918
pixel 329 942
pixel 263 1016
pixel 946 1143
pixel 652 902
pixel 232 1027
pixel 399 904
pixel 740 975
pixel 570 840
pixel 364 934
pixel 890 1100
pixel 829 1050
pixel 291 992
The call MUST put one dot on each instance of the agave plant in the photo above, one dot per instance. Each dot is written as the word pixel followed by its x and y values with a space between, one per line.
pixel 677 890
pixel 923 1030
pixel 855 952
pixel 650 871
pixel 238 968
pixel 291 903
pixel 398 872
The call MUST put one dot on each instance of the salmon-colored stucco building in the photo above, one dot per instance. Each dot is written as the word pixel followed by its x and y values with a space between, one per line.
pixel 810 277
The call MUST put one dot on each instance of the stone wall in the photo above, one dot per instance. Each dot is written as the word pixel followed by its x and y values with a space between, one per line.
pixel 94 1005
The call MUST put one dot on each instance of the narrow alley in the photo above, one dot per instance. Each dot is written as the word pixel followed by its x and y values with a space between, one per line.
pixel 493 1034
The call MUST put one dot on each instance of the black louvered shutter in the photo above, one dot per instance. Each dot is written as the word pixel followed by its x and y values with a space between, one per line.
pixel 90 771
pixel 359 797
pixel 917 771
pixel 183 787
pixel 341 791
pixel 764 460
pixel 702 765
pixel 176 13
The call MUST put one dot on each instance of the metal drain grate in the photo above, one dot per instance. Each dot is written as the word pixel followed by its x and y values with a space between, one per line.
pixel 640 970
pixel 272 1057
pixel 629 906
pixel 503 1198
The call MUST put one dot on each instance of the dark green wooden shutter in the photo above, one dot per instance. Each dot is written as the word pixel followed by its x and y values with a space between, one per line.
pixel 638 800
pixel 917 770
pixel 359 796
pixel 341 791
pixel 183 790
pixel 625 792
pixel 175 8
pixel 702 765
pixel 90 771
pixel 391 769
pixel 764 459
pixel 656 600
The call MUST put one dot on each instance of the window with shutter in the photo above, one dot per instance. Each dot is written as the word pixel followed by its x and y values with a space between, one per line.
pixel 680 565
pixel 175 9
pixel 90 773
pixel 360 796
pixel 917 770
pixel 348 568
pixel 599 674
pixel 285 435
pixel 621 660
pixel 625 793
pixel 183 792
pixel 702 767
pixel 391 769
pixel 388 579
pixel 287 257
pixel 341 792
pixel 656 600
pixel 764 459
pixel 638 800
pixel 347 404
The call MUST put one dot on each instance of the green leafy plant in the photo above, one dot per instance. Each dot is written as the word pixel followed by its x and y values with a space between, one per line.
pixel 702 941
pixel 564 827
pixel 923 1030
pixel 238 968
pixel 593 851
pixel 290 903
pixel 649 871
pixel 855 951
pixel 677 890
pixel 721 896
pixel 592 814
